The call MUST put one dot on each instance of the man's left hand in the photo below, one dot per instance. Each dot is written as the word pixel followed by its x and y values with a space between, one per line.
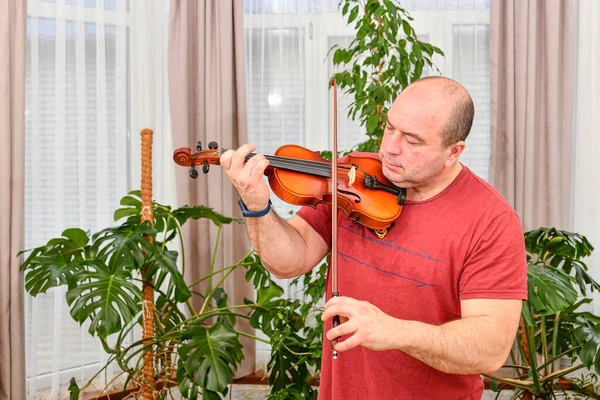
pixel 366 324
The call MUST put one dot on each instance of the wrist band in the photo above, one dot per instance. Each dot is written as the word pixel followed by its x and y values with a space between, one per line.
pixel 260 213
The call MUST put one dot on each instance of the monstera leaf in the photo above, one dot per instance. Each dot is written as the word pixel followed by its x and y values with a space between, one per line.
pixel 108 298
pixel 196 212
pixel 189 389
pixel 550 290
pixel 585 339
pixel 267 313
pixel 54 264
pixel 133 207
pixel 166 261
pixel 287 365
pixel 164 218
pixel 211 355
pixel 124 245
pixel 256 272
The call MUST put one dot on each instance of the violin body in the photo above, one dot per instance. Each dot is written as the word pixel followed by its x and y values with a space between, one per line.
pixel 372 208
pixel 302 177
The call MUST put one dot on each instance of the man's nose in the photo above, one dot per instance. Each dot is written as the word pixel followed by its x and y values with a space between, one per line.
pixel 394 145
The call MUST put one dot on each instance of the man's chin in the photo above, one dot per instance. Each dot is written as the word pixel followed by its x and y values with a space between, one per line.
pixel 398 181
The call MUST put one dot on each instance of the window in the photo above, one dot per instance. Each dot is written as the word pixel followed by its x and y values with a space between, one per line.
pixel 76 160
pixel 287 45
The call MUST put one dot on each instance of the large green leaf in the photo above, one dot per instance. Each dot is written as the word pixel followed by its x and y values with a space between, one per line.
pixel 256 272
pixel 54 264
pixel 46 271
pixel 267 313
pixel 125 245
pixel 196 212
pixel 550 290
pixel 166 260
pixel 287 365
pixel 187 387
pixel 166 220
pixel 71 244
pixel 211 355
pixel 107 298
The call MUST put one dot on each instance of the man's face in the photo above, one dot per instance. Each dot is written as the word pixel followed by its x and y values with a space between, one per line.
pixel 411 150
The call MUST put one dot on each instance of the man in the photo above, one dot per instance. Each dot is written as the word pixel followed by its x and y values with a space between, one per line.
pixel 437 300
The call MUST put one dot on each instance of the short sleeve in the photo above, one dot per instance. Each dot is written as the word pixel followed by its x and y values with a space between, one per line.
pixel 319 218
pixel 496 267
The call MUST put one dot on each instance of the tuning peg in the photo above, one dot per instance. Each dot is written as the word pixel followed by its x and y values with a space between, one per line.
pixel 205 167
pixel 193 172
pixel 213 145
pixel 199 146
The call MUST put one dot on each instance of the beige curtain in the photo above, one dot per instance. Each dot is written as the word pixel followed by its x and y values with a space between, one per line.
pixel 13 22
pixel 208 103
pixel 532 56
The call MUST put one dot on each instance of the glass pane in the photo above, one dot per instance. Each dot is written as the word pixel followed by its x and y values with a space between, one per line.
pixel 290 6
pixel 108 4
pixel 437 5
pixel 471 55
pixel 71 139
pixel 275 87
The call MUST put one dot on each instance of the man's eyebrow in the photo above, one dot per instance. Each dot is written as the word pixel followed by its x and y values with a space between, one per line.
pixel 415 136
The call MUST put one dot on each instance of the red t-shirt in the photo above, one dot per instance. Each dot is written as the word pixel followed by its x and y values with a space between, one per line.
pixel 464 243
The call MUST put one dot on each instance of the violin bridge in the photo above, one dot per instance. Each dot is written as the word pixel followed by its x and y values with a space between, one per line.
pixel 352 176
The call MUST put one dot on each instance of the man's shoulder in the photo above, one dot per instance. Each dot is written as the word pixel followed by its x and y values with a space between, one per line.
pixel 481 192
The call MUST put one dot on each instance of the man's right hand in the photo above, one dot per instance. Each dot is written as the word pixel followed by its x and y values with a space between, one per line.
pixel 247 177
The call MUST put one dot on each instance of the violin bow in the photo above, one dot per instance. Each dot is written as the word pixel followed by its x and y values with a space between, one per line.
pixel 333 256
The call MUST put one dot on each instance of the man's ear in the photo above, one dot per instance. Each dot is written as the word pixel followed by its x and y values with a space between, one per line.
pixel 454 151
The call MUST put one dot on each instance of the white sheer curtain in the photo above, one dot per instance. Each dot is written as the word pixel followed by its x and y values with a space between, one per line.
pixel 96 76
pixel 586 169
pixel 287 72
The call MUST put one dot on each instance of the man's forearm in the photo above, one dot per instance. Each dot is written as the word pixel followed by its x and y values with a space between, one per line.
pixel 280 247
pixel 457 347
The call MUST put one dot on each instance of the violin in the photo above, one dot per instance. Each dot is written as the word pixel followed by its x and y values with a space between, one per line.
pixel 301 177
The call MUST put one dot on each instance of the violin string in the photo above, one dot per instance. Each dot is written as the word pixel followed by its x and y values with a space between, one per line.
pixel 318 168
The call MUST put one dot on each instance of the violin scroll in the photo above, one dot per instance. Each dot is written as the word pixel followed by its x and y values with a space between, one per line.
pixel 183 156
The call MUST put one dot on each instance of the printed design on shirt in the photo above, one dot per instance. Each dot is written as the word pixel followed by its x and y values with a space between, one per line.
pixel 420 284
pixel 388 244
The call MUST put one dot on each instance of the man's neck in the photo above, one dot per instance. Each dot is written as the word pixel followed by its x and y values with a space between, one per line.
pixel 426 192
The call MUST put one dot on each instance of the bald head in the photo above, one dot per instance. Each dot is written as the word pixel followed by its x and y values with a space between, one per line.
pixel 448 92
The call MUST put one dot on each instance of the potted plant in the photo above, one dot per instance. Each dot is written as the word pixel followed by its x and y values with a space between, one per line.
pixel 198 350
pixel 554 324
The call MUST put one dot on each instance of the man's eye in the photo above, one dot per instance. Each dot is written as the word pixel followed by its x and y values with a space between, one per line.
pixel 389 127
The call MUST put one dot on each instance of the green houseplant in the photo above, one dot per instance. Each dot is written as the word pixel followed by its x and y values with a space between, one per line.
pixel 554 323
pixel 199 351
pixel 196 350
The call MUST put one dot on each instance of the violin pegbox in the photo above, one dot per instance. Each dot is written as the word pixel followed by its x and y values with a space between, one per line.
pixel 183 156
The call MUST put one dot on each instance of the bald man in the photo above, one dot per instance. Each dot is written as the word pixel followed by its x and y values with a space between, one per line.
pixel 434 303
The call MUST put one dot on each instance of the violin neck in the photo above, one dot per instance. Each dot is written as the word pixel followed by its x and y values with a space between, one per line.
pixel 316 168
